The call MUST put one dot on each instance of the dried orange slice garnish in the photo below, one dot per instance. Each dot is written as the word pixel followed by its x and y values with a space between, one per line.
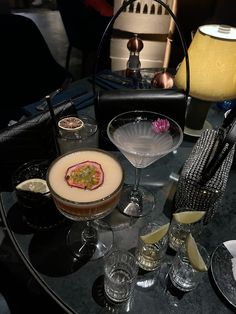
pixel 71 123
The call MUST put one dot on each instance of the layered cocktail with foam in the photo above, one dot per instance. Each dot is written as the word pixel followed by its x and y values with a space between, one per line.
pixel 85 184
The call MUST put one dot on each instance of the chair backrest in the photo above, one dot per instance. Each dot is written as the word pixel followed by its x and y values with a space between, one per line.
pixel 29 71
pixel 83 26
pixel 151 22
pixel 33 138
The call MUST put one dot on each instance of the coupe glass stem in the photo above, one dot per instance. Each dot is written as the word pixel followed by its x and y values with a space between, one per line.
pixel 89 233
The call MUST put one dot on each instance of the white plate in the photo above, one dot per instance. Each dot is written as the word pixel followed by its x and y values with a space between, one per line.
pixel 222 272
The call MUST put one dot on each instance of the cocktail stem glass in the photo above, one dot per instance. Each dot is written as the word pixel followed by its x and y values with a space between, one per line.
pixel 135 195
pixel 89 237
pixel 137 178
pixel 89 234
pixel 143 137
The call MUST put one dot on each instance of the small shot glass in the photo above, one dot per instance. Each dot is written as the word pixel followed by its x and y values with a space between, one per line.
pixel 178 231
pixel 120 275
pixel 182 274
pixel 150 256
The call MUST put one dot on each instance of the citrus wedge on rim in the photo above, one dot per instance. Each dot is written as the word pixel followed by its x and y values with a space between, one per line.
pixel 156 235
pixel 194 255
pixel 35 185
pixel 188 217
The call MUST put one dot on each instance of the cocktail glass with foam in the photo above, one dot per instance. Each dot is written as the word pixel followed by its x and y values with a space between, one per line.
pixel 85 185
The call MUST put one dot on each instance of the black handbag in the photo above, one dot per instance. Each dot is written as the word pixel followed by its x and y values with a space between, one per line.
pixel 109 103
pixel 33 138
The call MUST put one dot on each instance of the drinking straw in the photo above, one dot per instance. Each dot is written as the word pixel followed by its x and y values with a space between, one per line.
pixel 54 124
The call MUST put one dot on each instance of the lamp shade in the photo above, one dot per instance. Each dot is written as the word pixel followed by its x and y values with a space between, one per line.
pixel 212 59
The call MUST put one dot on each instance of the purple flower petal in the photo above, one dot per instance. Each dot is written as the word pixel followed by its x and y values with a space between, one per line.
pixel 160 125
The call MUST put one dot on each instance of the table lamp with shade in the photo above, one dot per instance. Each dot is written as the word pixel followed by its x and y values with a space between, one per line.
pixel 212 58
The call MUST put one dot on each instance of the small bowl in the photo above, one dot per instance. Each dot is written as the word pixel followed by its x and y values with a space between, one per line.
pixel 38 209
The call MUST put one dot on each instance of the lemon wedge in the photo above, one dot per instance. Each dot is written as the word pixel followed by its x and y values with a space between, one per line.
pixel 188 217
pixel 34 185
pixel 194 255
pixel 156 235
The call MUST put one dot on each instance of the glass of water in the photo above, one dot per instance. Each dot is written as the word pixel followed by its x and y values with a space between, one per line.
pixel 77 132
pixel 182 274
pixel 150 255
pixel 179 231
pixel 120 275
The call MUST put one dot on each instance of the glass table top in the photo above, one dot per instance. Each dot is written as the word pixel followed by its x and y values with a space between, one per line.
pixel 78 287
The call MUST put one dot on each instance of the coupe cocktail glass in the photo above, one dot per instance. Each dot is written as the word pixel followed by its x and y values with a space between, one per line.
pixel 143 137
pixel 90 237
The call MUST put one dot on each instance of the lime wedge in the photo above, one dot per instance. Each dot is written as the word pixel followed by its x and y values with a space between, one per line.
pixel 194 255
pixel 156 235
pixel 188 217
pixel 33 185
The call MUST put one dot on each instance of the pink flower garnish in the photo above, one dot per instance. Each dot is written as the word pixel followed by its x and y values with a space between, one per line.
pixel 160 125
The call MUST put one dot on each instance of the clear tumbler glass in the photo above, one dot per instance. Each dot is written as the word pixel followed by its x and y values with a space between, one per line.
pixel 182 274
pixel 120 275
pixel 150 256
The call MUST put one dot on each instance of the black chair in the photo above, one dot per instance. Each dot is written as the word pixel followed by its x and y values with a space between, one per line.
pixel 84 28
pixel 29 72
pixel 28 140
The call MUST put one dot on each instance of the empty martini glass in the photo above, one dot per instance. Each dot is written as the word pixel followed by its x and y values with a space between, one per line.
pixel 143 137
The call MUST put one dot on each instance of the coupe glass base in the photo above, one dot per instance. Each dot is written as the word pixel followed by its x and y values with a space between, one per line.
pixel 91 248
pixel 136 207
